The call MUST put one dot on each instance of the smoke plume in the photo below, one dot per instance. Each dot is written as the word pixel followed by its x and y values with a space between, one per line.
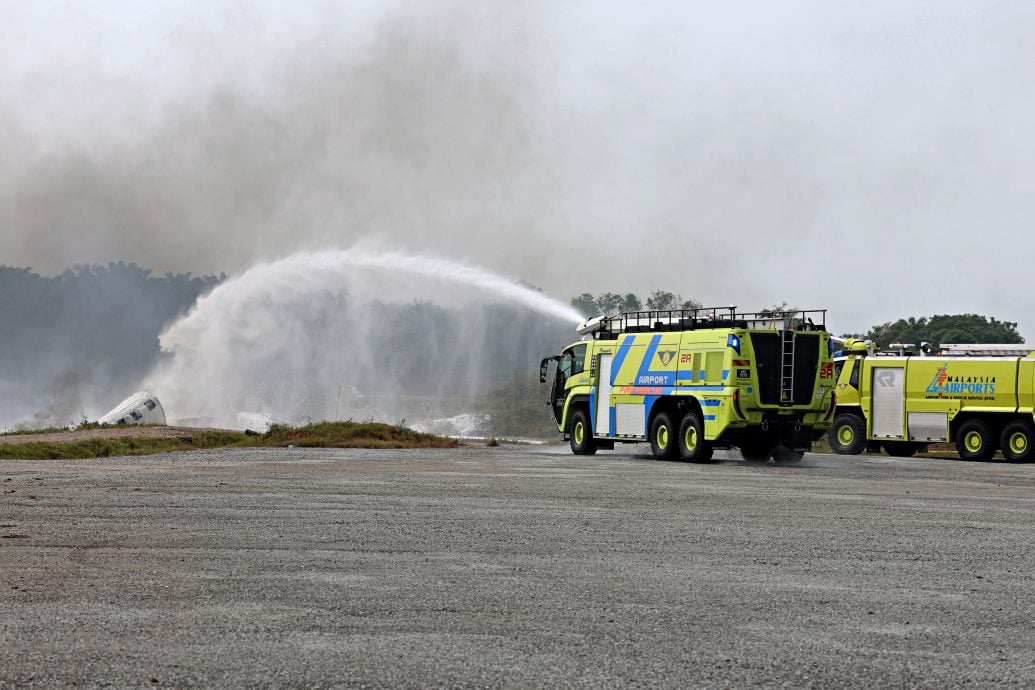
pixel 734 156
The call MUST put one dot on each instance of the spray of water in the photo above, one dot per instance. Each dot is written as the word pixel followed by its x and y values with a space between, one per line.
pixel 347 334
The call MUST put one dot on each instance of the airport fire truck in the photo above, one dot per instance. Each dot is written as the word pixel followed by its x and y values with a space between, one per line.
pixel 978 396
pixel 692 380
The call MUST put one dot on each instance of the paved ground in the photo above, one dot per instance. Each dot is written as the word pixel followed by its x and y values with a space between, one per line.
pixel 514 567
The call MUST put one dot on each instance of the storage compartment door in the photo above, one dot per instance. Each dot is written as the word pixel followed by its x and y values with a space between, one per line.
pixel 928 426
pixel 603 425
pixel 889 402
pixel 629 420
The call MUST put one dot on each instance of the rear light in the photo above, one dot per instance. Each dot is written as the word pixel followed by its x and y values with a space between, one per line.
pixel 736 404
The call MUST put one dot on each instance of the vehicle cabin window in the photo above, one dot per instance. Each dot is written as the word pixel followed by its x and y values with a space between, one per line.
pixel 854 381
pixel 579 364
pixel 573 361
pixel 839 364
pixel 564 366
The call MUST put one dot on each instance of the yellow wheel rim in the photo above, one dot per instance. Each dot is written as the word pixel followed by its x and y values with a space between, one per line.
pixel 580 433
pixel 690 438
pixel 973 441
pixel 662 436
pixel 845 435
pixel 1018 442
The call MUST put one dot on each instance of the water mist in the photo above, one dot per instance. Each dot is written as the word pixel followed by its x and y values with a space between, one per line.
pixel 358 334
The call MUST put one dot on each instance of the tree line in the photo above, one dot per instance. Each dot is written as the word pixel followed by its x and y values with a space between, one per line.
pixel 944 328
pixel 93 326
pixel 610 303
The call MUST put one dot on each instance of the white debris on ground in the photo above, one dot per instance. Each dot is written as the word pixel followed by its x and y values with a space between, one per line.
pixel 140 408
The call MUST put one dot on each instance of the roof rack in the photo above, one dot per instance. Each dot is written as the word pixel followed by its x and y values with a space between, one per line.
pixel 956 350
pixel 664 320
pixel 903 350
pixel 986 349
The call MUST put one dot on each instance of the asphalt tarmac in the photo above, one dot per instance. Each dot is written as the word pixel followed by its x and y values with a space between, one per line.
pixel 514 567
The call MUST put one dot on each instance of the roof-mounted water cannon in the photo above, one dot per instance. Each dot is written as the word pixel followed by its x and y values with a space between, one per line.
pixel 590 325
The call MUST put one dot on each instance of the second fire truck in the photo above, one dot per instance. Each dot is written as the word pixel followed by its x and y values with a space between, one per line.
pixel 980 397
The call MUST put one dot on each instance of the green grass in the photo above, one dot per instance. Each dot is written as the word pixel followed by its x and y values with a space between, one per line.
pixel 25 432
pixel 54 429
pixel 106 447
pixel 351 435
pixel 321 435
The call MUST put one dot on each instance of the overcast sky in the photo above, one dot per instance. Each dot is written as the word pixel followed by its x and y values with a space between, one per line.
pixel 876 159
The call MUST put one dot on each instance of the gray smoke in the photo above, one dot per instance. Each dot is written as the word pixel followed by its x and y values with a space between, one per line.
pixel 828 155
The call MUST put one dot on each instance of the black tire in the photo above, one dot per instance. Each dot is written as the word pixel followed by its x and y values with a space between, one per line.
pixel 900 449
pixel 757 451
pixel 848 434
pixel 580 435
pixel 786 456
pixel 1018 441
pixel 663 437
pixel 692 445
pixel 975 440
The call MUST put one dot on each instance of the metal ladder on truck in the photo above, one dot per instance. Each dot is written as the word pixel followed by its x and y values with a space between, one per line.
pixel 787 363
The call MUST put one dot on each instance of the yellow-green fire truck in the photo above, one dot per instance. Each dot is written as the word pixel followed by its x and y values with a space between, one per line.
pixel 979 396
pixel 692 380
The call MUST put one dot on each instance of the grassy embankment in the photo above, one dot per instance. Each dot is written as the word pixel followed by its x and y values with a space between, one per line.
pixel 321 435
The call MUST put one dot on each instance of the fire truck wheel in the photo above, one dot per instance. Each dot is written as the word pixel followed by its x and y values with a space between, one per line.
pixel 580 436
pixel 975 440
pixel 663 437
pixel 1018 441
pixel 692 446
pixel 848 434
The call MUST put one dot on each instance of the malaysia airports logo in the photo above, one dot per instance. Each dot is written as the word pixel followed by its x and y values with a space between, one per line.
pixel 944 384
